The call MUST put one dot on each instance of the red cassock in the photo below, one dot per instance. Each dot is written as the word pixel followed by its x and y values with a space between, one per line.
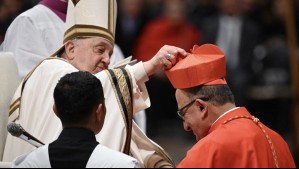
pixel 239 140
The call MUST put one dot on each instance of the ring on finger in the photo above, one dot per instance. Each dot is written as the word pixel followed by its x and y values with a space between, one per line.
pixel 168 56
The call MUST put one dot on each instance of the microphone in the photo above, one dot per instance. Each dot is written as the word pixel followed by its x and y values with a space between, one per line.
pixel 18 131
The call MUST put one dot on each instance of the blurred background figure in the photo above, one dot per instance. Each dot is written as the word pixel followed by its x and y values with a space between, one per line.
pixel 9 9
pixel 154 8
pixel 199 10
pixel 36 34
pixel 271 96
pixel 170 29
pixel 237 36
pixel 130 21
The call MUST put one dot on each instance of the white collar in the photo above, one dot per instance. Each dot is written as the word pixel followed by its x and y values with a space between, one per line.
pixel 226 113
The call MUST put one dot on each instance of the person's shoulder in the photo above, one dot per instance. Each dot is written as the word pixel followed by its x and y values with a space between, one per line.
pixel 225 137
pixel 156 25
pixel 219 139
pixel 54 66
pixel 34 11
pixel 113 154
pixel 55 62
pixel 32 15
pixel 109 158
pixel 217 146
pixel 36 158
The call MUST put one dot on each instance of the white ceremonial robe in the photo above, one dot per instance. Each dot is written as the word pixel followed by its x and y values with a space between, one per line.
pixel 102 157
pixel 33 36
pixel 37 116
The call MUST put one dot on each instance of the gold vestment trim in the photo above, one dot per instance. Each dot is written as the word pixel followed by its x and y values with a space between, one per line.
pixel 123 93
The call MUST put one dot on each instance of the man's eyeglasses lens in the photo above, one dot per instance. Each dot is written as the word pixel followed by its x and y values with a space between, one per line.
pixel 182 111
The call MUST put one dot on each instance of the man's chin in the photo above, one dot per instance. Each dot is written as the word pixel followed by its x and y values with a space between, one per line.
pixel 197 137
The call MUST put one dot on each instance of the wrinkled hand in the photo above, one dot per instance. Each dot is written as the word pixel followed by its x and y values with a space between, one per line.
pixel 165 59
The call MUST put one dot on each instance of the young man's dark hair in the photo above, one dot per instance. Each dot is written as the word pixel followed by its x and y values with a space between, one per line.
pixel 75 99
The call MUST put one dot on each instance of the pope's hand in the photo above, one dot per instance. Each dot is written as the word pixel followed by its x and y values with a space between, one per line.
pixel 165 59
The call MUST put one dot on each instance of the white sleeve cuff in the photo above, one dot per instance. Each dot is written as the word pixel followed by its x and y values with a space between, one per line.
pixel 139 73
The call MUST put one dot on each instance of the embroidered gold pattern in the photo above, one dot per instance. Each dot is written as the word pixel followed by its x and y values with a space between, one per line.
pixel 124 89
pixel 125 94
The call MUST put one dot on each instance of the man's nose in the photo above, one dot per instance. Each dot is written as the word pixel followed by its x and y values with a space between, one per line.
pixel 187 127
pixel 106 60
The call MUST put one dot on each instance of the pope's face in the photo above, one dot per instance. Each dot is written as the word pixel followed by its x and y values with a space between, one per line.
pixel 91 54
pixel 193 115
